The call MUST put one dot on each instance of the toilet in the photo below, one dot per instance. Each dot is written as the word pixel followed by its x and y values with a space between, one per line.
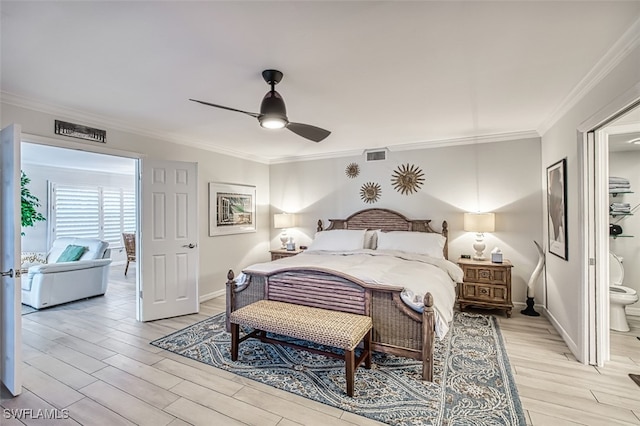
pixel 619 295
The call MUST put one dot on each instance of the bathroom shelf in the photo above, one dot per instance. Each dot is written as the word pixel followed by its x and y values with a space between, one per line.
pixel 620 214
pixel 615 193
pixel 621 236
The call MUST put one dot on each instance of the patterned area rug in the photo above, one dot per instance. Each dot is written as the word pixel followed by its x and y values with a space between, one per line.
pixel 472 383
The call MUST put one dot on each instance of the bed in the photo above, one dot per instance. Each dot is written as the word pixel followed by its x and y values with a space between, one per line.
pixel 406 316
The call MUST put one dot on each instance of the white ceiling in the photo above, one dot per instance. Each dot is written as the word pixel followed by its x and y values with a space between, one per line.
pixel 377 74
pixel 624 132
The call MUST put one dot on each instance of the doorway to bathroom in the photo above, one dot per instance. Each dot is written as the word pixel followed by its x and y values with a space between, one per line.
pixel 623 141
pixel 616 122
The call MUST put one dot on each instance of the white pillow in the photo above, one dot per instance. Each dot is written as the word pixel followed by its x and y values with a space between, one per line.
pixel 428 243
pixel 338 240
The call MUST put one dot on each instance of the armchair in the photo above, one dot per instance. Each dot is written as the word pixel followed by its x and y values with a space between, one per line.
pixel 130 247
pixel 53 283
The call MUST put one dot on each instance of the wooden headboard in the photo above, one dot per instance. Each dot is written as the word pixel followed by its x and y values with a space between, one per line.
pixel 387 220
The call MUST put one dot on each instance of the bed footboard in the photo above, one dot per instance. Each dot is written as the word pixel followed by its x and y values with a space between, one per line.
pixel 401 331
pixel 397 329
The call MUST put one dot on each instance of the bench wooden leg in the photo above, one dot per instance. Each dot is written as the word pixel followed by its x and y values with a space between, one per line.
pixel 235 337
pixel 367 349
pixel 350 362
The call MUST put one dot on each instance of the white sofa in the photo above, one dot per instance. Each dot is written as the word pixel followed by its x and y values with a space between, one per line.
pixel 54 283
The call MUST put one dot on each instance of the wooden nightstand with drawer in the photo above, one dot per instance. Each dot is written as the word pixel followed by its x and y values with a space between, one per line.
pixel 280 253
pixel 485 285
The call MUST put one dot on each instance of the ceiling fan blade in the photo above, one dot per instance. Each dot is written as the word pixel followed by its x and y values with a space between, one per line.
pixel 251 114
pixel 313 133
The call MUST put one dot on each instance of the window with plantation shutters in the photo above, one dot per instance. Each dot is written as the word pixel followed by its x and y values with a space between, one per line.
pixel 91 212
pixel 77 212
pixel 128 211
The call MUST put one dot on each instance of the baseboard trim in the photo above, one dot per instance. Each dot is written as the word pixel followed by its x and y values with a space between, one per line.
pixel 212 295
pixel 518 306
pixel 573 347
pixel 633 311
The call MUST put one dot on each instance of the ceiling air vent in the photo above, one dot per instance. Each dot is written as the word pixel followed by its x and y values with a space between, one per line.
pixel 376 155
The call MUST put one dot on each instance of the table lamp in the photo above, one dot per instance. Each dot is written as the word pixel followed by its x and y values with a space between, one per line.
pixel 479 223
pixel 284 221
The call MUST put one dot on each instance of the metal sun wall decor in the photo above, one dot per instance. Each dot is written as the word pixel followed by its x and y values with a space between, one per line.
pixel 370 192
pixel 352 170
pixel 406 179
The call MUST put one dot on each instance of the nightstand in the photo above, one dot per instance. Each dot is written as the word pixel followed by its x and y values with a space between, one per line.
pixel 281 253
pixel 485 285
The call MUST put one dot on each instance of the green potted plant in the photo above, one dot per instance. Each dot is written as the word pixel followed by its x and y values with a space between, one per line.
pixel 29 202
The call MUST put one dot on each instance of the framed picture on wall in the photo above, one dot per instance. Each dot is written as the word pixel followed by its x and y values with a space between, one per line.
pixel 557 208
pixel 232 208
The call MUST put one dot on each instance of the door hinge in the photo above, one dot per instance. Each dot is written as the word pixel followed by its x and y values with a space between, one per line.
pixel 592 261
pixel 140 294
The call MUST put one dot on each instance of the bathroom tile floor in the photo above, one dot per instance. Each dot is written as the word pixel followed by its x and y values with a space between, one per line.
pixel 634 325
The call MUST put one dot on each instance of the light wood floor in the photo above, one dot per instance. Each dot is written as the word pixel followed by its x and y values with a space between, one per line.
pixel 92 361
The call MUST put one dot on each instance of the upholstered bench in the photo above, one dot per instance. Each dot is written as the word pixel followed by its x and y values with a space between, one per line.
pixel 331 328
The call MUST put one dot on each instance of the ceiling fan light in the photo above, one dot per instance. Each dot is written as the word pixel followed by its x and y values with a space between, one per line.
pixel 273 113
pixel 273 122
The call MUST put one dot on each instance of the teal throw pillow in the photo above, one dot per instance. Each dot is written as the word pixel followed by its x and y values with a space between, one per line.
pixel 71 253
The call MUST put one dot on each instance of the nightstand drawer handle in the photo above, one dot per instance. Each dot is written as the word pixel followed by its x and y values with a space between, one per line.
pixel 485 274
pixel 484 290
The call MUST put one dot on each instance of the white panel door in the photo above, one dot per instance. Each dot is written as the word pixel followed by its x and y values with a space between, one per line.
pixel 10 293
pixel 168 244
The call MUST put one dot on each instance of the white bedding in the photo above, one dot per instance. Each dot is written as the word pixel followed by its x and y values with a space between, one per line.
pixel 417 273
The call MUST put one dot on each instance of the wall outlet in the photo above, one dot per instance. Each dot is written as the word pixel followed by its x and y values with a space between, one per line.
pixel 465 256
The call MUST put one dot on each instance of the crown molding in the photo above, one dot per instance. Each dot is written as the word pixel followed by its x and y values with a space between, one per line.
pixel 467 140
pixel 314 157
pixel 614 56
pixel 96 120
pixel 439 143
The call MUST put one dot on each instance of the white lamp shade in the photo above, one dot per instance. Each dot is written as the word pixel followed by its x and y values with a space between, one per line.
pixel 284 220
pixel 479 222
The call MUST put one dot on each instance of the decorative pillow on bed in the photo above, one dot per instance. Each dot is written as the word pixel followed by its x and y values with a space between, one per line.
pixel 428 243
pixel 371 238
pixel 338 240
pixel 71 253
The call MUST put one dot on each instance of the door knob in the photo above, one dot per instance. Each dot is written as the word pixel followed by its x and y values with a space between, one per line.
pixel 190 246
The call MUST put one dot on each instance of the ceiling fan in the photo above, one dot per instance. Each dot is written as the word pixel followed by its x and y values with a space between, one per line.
pixel 273 113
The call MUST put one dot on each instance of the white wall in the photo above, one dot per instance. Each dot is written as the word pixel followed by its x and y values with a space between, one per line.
pixel 627 165
pixel 35 239
pixel 565 284
pixel 217 254
pixel 509 184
